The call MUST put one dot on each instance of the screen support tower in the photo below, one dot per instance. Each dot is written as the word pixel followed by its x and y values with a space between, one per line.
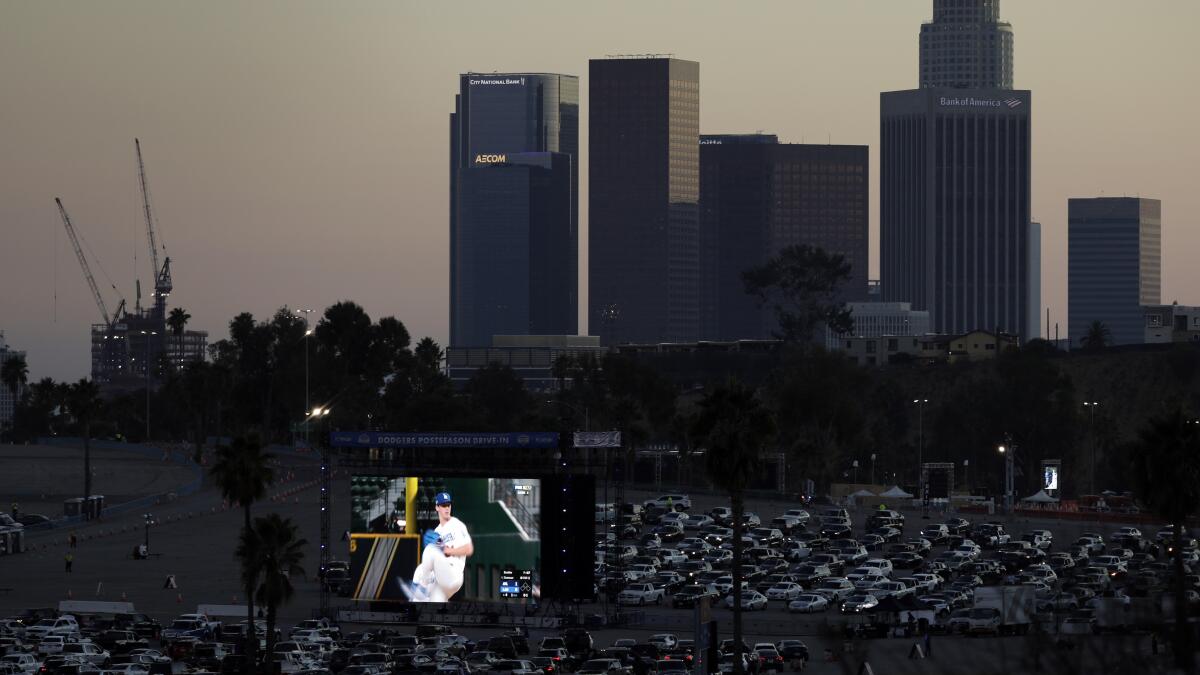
pixel 326 490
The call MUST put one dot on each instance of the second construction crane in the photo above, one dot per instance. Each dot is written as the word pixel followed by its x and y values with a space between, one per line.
pixel 161 276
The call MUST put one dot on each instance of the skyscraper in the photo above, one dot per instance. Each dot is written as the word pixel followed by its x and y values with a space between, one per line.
pixel 1114 265
pixel 757 197
pixel 8 401
pixel 514 215
pixel 966 46
pixel 644 185
pixel 954 199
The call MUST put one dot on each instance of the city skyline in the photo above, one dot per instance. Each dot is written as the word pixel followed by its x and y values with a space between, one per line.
pixel 297 152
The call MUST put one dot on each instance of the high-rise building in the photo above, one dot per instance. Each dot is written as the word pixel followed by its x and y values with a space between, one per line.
pixel 955 185
pixel 512 137
pixel 643 193
pixel 516 257
pixel 967 46
pixel 757 197
pixel 1033 324
pixel 8 401
pixel 1114 265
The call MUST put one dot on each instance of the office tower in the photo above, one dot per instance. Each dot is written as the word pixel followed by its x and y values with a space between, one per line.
pixel 966 46
pixel 757 197
pixel 955 195
pixel 1033 324
pixel 1114 265
pixel 517 252
pixel 643 185
pixel 512 137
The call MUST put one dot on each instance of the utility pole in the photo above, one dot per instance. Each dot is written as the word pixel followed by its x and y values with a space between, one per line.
pixel 1009 450
pixel 920 402
pixel 307 400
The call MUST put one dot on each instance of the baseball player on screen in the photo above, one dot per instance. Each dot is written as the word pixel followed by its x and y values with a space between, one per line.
pixel 440 574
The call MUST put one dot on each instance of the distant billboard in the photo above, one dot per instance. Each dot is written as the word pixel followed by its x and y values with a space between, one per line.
pixel 1050 474
pixel 442 439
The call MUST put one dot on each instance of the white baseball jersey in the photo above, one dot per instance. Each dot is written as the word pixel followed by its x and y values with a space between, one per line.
pixel 453 533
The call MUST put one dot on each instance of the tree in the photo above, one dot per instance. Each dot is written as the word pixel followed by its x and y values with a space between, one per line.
pixel 1166 473
pixel 498 394
pixel 177 320
pixel 83 400
pixel 14 374
pixel 801 286
pixel 242 472
pixel 1098 337
pixel 271 551
pixel 734 427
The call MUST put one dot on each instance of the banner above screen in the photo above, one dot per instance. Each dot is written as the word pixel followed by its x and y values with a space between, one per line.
pixel 442 439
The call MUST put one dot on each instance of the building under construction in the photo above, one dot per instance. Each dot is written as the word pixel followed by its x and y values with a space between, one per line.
pixel 135 349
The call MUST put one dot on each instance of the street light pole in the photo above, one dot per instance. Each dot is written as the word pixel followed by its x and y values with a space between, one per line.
pixel 920 402
pixel 855 465
pixel 307 400
pixel 1091 406
pixel 872 468
pixel 149 518
pixel 1009 450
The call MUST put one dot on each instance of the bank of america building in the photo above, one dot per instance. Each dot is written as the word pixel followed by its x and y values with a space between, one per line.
pixel 514 240
pixel 955 206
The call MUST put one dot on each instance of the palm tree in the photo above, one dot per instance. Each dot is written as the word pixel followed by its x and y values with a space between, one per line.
pixel 734 427
pixel 83 400
pixel 1098 337
pixel 14 374
pixel 1166 473
pixel 177 320
pixel 272 551
pixel 242 473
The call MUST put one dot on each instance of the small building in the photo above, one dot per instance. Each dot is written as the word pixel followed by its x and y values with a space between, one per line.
pixel 1171 323
pixel 8 402
pixel 930 348
pixel 531 356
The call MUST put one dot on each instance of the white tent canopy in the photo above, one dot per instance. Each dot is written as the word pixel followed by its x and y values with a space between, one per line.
pixel 1040 497
pixel 895 491
pixel 862 493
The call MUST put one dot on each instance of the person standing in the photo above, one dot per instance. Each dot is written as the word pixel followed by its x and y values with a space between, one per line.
pixel 69 559
pixel 72 540
pixel 928 645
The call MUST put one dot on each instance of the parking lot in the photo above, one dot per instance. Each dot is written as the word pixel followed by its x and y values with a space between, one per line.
pixel 193 541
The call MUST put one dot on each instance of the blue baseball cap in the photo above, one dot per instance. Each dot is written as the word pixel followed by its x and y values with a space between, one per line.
pixel 442 498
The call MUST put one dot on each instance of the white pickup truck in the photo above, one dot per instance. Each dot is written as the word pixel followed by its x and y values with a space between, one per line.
pixel 1003 610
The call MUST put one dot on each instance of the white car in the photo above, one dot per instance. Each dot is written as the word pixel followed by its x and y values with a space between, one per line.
pixel 672 557
pixel 63 625
pixel 751 601
pixel 664 641
pixel 882 564
pixel 641 594
pixel 930 582
pixel 21 663
pixel 795 551
pixel 696 521
pixel 86 651
pixel 864 577
pixel 835 588
pixel 809 602
pixel 798 513
pixel 785 591
pixel 127 669
pixel 51 644
pixel 883 589
pixel 675 501
pixel 641 572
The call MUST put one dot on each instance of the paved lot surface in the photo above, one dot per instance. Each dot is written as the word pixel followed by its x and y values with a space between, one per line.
pixel 195 537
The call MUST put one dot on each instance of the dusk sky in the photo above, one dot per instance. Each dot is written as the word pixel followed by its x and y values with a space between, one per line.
pixel 297 151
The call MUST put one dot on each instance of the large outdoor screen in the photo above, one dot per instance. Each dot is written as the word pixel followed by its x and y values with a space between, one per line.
pixel 431 539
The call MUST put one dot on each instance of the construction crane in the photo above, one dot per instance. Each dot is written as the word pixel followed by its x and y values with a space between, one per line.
pixel 161 276
pixel 87 270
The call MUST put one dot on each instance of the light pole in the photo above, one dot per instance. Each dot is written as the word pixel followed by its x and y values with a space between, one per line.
pixel 307 401
pixel 855 465
pixel 920 402
pixel 872 468
pixel 966 468
pixel 146 367
pixel 1009 450
pixel 1091 407
pixel 149 518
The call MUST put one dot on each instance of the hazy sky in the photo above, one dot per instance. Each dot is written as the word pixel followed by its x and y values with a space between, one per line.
pixel 297 151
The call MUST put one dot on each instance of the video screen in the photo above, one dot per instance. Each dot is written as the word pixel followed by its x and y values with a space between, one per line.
pixel 429 539
pixel 1050 477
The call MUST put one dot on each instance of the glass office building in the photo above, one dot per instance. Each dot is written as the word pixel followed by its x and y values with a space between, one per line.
pixel 967 46
pixel 759 196
pixel 513 136
pixel 1114 265
pixel 644 188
